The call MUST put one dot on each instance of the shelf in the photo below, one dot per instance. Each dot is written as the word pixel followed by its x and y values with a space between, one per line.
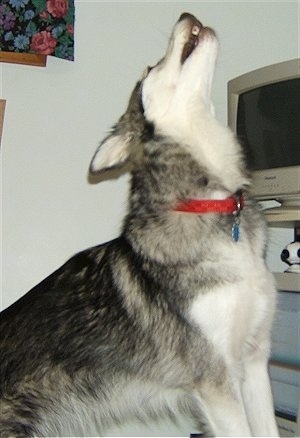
pixel 287 281
pixel 23 58
pixel 284 218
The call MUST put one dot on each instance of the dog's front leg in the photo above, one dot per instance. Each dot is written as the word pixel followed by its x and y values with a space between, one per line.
pixel 258 399
pixel 223 410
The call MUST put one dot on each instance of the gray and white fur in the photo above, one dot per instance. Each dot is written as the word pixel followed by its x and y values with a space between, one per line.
pixel 154 323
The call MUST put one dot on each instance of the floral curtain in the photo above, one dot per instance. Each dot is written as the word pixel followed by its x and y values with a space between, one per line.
pixel 44 27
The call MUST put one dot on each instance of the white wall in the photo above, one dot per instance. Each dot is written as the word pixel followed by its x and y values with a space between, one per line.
pixel 55 117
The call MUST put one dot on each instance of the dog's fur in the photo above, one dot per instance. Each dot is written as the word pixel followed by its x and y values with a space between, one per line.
pixel 173 316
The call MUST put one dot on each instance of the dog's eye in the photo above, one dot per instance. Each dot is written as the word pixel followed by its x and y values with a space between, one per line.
pixel 202 181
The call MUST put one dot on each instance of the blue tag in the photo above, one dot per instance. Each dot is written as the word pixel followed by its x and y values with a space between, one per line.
pixel 235 231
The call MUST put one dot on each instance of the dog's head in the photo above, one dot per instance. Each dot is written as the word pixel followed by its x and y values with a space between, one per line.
pixel 180 84
pixel 168 97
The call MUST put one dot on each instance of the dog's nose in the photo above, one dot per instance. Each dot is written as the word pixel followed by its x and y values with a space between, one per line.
pixel 187 15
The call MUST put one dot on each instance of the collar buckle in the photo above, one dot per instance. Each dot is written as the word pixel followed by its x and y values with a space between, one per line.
pixel 235 230
pixel 240 201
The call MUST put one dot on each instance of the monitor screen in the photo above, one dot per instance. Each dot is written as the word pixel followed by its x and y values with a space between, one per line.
pixel 268 125
pixel 285 334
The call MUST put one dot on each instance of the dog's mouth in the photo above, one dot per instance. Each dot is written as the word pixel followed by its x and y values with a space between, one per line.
pixel 197 31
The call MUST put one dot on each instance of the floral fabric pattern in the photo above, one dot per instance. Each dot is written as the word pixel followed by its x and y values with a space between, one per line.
pixel 43 27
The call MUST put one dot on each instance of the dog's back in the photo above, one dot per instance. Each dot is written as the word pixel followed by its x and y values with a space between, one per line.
pixel 154 323
pixel 80 346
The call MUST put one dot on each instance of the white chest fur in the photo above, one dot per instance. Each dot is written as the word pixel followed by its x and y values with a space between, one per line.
pixel 236 317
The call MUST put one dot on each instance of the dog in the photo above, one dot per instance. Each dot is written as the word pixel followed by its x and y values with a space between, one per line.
pixel 154 323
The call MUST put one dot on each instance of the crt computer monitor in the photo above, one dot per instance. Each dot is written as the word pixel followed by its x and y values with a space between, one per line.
pixel 264 112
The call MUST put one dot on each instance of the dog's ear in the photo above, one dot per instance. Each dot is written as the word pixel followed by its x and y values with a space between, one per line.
pixel 122 145
pixel 113 152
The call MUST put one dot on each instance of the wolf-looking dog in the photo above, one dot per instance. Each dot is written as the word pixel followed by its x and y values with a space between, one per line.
pixel 155 323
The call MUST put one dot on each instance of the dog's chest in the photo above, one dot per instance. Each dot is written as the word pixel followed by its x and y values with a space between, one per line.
pixel 232 314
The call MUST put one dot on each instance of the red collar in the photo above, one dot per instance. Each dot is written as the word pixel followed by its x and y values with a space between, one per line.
pixel 233 204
